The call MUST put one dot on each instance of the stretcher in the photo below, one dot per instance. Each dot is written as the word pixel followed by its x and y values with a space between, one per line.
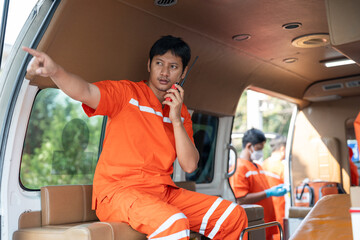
pixel 328 219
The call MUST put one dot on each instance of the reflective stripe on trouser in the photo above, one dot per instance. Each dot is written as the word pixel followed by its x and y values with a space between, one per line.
pixel 164 212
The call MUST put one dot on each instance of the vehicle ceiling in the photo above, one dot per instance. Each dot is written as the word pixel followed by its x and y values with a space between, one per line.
pixel 110 39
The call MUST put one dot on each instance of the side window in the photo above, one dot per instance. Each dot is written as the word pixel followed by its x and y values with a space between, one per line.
pixel 61 144
pixel 205 131
pixel 269 114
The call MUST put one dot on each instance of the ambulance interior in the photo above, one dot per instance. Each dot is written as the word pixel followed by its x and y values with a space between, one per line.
pixel 279 48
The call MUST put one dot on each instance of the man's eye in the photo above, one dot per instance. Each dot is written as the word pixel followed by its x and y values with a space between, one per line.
pixel 158 63
pixel 173 66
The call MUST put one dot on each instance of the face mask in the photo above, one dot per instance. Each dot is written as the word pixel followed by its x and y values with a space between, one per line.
pixel 256 155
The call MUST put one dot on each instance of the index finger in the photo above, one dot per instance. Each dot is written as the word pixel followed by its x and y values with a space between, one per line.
pixel 32 51
pixel 179 87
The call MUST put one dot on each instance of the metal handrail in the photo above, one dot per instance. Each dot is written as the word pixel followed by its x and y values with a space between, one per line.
pixel 231 147
pixel 262 226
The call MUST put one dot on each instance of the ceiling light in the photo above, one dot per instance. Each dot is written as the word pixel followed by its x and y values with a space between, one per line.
pixel 293 25
pixel 338 62
pixel 241 37
pixel 311 40
pixel 290 60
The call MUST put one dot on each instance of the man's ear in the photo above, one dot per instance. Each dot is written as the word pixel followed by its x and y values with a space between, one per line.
pixel 148 65
pixel 248 146
pixel 184 72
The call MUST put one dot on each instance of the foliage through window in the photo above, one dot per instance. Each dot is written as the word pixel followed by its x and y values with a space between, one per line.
pixel 61 144
pixel 205 131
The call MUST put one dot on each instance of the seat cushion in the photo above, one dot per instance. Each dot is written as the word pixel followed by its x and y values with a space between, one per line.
pixel 87 231
pixel 254 212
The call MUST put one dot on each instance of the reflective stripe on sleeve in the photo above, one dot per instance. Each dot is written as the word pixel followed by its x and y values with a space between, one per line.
pixel 208 214
pixel 249 173
pixel 170 221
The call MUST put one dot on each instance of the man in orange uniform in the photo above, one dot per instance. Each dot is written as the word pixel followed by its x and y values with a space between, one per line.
pixel 145 134
pixel 249 182
pixel 274 171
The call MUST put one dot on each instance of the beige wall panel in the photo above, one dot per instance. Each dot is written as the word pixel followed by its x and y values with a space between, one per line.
pixel 319 148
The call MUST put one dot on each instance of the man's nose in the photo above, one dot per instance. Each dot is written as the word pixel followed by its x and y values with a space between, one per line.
pixel 165 70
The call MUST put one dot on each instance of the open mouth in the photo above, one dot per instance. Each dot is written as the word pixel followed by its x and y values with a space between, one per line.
pixel 164 81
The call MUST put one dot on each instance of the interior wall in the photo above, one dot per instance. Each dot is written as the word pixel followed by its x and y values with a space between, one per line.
pixel 319 148
pixel 110 40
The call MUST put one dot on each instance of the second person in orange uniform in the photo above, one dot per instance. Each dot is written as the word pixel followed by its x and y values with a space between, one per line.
pixel 249 182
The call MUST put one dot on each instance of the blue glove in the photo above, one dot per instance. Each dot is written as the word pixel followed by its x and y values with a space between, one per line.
pixel 276 191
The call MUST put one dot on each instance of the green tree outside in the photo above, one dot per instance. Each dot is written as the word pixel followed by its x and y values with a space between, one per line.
pixel 61 143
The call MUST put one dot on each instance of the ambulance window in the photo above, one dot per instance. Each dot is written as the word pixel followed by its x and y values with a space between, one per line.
pixel 61 144
pixel 269 114
pixel 205 131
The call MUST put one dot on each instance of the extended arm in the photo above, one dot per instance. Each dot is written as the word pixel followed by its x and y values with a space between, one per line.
pixel 72 85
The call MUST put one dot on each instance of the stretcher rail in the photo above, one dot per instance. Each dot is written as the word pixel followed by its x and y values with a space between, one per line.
pixel 262 226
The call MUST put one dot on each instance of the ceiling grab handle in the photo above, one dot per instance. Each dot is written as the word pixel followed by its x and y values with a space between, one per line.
pixel 230 147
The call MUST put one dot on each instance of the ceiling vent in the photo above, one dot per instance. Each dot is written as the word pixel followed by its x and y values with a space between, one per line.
pixel 353 84
pixel 333 86
pixel 165 3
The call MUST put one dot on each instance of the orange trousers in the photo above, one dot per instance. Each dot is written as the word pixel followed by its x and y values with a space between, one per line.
pixel 166 212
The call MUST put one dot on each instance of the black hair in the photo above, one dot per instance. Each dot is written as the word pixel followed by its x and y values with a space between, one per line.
pixel 278 142
pixel 253 136
pixel 174 44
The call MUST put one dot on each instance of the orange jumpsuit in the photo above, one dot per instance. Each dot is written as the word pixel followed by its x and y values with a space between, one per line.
pixel 274 171
pixel 250 178
pixel 132 181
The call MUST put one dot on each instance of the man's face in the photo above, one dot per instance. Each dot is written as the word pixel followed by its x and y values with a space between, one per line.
pixel 258 146
pixel 165 70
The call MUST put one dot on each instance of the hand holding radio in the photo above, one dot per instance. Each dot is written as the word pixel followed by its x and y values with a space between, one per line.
pixel 172 87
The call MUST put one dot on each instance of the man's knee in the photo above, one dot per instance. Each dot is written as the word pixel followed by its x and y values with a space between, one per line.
pixel 237 220
pixel 242 220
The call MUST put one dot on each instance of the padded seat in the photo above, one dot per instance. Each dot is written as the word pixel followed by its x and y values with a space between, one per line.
pixel 255 214
pixel 66 214
pixel 328 219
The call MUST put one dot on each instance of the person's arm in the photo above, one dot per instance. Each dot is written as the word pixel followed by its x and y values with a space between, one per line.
pixel 250 198
pixel 186 151
pixel 72 85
